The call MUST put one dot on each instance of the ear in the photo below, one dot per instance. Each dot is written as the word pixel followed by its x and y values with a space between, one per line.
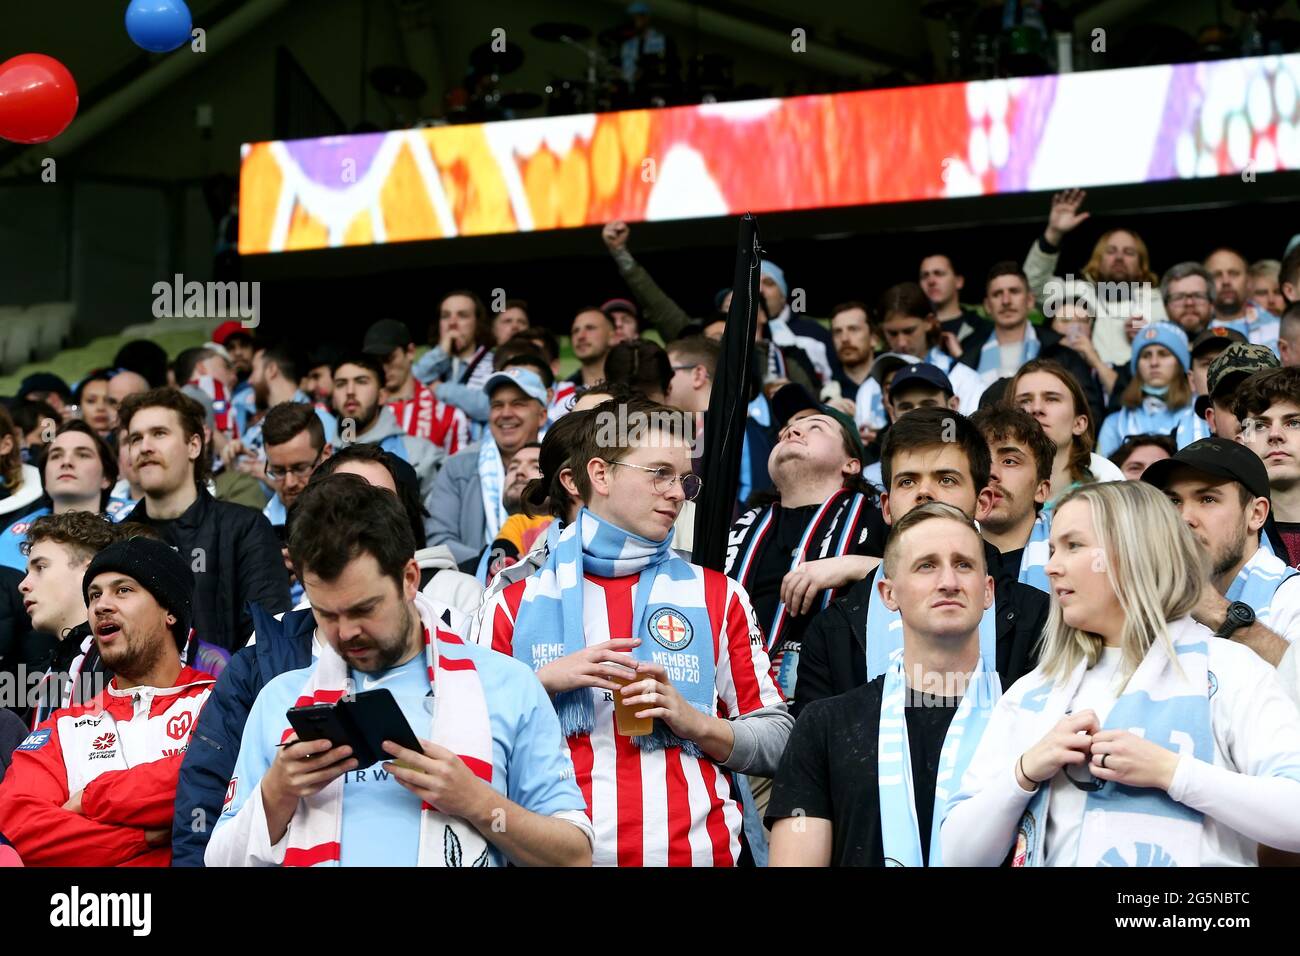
pixel 1209 419
pixel 6 445
pixel 988 592
pixel 884 507
pixel 599 473
pixel 1043 491
pixel 1257 515
pixel 851 467
pixel 327 452
pixel 194 447
pixel 954 403
pixel 983 504
pixel 410 579
pixel 1029 299
pixel 567 482
pixel 960 283
pixel 1080 425
pixel 886 589
pixel 699 377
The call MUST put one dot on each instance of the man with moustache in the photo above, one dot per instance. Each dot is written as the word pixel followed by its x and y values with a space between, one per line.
pixel 363 417
pixel 851 334
pixel 233 550
pixel 1231 298
pixel 931 454
pixel 94 784
pixel 861 782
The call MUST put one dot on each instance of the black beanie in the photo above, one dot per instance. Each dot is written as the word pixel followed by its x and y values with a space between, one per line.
pixel 160 570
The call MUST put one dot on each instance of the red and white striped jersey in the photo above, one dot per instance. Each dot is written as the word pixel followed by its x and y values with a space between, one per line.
pixel 662 808
pixel 423 416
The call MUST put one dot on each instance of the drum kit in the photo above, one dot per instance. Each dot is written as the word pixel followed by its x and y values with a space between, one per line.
pixel 600 87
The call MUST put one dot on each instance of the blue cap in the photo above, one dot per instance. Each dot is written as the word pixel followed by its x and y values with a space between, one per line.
pixel 526 380
pixel 1169 335
pixel 922 373
pixel 775 272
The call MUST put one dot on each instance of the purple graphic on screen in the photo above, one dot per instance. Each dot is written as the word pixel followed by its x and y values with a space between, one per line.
pixel 323 160
pixel 1030 111
pixel 1184 98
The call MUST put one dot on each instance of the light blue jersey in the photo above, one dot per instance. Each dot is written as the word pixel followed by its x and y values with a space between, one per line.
pixel 381 818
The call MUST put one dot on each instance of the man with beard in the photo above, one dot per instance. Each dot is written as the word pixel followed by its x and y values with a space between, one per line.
pixel 416 406
pixel 233 548
pixel 1021 480
pixel 1188 292
pixel 1119 268
pixel 94 785
pixel 1221 489
pixel 492 781
pixel 851 333
pixel 274 381
pixel 467 508
pixel 1231 292
pixel 592 335
pixel 362 417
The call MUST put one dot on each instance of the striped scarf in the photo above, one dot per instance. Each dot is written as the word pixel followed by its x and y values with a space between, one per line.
pixel 668 607
pixel 1257 582
pixel 899 829
pixel 885 632
pixel 460 722
pixel 1033 562
pixel 990 367
pixel 1166 704
pixel 834 530
pixel 424 416
pixel 492 480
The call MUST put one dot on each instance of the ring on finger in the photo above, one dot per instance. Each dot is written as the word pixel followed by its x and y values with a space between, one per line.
pixel 1103 761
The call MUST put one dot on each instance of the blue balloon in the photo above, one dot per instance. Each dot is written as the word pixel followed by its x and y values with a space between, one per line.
pixel 159 26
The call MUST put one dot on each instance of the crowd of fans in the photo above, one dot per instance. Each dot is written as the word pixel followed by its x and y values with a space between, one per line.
pixel 1084 491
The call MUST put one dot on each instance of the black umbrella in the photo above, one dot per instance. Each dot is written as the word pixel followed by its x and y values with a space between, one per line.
pixel 728 406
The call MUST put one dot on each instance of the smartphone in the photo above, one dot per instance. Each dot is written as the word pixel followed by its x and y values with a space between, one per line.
pixel 362 722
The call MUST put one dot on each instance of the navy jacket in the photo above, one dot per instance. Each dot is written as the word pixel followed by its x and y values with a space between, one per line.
pixel 281 646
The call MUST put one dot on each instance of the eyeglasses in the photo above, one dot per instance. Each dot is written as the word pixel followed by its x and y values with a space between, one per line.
pixel 664 479
pixel 1188 297
pixel 300 471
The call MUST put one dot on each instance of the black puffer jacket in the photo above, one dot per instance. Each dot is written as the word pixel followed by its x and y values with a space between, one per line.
pixel 14 623
pixel 833 658
pixel 236 560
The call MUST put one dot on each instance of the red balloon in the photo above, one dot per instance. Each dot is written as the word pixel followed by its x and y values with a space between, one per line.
pixel 38 98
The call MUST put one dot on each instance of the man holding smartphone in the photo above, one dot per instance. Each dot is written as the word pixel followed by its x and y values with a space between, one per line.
pixel 493 780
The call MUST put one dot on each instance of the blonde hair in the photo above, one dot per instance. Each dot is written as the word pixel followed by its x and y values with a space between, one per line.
pixel 1154 565
pixel 1092 269
pixel 918 515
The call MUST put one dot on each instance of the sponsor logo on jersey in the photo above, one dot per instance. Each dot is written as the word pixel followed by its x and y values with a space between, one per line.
pixel 179 726
pixel 36 740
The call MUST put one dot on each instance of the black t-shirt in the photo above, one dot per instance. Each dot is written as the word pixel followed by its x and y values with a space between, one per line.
pixel 829 769
pixel 1011 563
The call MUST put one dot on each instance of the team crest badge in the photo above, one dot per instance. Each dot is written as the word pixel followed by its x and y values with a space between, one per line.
pixel 1151 333
pixel 669 627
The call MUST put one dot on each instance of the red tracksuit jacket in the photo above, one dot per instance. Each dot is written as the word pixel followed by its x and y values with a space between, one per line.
pixel 124 751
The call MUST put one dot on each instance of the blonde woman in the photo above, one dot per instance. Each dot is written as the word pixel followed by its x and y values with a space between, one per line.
pixel 1140 739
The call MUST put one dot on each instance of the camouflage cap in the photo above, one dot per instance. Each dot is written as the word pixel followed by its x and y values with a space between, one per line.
pixel 1237 361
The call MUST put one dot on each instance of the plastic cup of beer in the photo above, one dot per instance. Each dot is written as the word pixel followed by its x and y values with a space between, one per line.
pixel 626 722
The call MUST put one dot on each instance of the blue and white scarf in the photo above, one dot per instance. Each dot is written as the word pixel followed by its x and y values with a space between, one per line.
pixel 550 622
pixel 990 367
pixel 1033 562
pixel 1258 581
pixel 885 631
pixel 1166 704
pixel 1152 417
pixel 492 481
pixel 899 828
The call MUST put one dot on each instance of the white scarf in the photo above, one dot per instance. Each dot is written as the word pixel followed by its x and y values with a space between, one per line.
pixel 492 482
pixel 460 722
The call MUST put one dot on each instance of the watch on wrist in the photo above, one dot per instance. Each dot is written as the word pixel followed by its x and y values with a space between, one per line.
pixel 1239 615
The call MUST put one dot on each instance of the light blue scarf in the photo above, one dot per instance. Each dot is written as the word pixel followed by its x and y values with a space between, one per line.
pixel 1033 563
pixel 899 828
pixel 1133 826
pixel 1154 417
pixel 990 367
pixel 1257 582
pixel 669 615
pixel 885 632
pixel 492 479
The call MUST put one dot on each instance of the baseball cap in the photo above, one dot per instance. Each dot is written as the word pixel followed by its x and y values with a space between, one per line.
pixel 922 373
pixel 1239 360
pixel 620 305
pixel 789 400
pixel 226 329
pixel 384 336
pixel 45 382
pixel 524 379
pixel 1216 335
pixel 1219 457
pixel 888 362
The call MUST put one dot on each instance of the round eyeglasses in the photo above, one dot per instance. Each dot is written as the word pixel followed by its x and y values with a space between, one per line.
pixel 665 478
